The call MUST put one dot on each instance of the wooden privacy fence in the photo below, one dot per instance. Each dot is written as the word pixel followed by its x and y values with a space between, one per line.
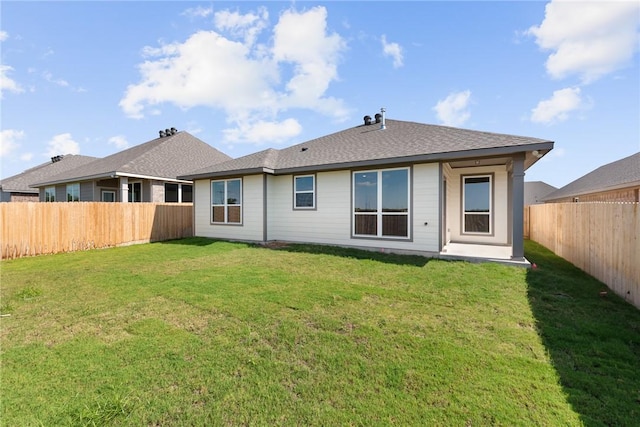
pixel 603 239
pixel 46 228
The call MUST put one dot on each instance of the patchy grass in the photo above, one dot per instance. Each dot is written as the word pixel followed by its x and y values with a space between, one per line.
pixel 203 332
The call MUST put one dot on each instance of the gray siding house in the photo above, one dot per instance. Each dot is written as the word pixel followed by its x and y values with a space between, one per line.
pixel 385 185
pixel 18 188
pixel 145 173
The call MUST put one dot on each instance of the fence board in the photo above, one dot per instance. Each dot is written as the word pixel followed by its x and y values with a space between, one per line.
pixel 43 228
pixel 603 239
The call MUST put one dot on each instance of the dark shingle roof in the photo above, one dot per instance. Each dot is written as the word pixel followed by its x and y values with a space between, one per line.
pixel 619 174
pixel 400 140
pixel 166 157
pixel 534 191
pixel 21 183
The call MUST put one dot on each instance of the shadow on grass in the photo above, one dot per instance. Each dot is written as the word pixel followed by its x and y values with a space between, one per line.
pixel 191 241
pixel 593 339
pixel 361 254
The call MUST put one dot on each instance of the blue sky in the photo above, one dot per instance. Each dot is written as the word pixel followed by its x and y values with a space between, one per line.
pixel 93 78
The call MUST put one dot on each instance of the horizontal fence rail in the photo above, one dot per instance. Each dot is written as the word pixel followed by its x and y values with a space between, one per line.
pixel 602 239
pixel 45 228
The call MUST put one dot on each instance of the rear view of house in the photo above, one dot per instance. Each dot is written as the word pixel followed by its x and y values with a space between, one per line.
pixel 385 185
pixel 145 173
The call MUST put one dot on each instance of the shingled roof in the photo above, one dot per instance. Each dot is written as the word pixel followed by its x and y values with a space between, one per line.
pixel 619 174
pixel 400 141
pixel 21 182
pixel 161 158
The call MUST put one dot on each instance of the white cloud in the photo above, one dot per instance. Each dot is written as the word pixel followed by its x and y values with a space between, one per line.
pixel 62 144
pixel 453 110
pixel 198 12
pixel 7 83
pixel 252 83
pixel 588 38
pixel 3 35
pixel 26 157
pixel 247 26
pixel 261 132
pixel 9 141
pixel 119 141
pixel 558 107
pixel 56 81
pixel 393 50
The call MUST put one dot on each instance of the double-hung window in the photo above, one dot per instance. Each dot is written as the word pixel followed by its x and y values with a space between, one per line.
pixel 226 201
pixel 73 192
pixel 135 191
pixel 381 203
pixel 477 204
pixel 304 192
pixel 50 194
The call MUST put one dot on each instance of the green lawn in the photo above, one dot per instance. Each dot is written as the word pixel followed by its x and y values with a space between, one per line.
pixel 203 332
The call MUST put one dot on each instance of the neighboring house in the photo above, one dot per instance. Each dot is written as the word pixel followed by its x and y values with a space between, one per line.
pixel 534 191
pixel 391 185
pixel 18 188
pixel 618 181
pixel 145 173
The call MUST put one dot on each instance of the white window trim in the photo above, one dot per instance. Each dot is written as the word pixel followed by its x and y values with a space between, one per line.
pixel 296 192
pixel 52 191
pixel 103 192
pixel 379 214
pixel 225 204
pixel 73 186
pixel 131 192
pixel 464 209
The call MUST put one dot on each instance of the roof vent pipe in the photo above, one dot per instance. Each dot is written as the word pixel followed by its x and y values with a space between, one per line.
pixel 161 134
pixel 174 131
pixel 367 120
pixel 383 125
pixel 167 132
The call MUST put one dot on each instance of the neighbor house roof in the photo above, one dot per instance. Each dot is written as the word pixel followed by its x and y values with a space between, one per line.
pixel 619 174
pixel 21 183
pixel 534 191
pixel 363 145
pixel 161 158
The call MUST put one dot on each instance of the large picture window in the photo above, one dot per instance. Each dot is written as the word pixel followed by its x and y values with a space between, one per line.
pixel 476 204
pixel 304 192
pixel 381 203
pixel 73 192
pixel 226 201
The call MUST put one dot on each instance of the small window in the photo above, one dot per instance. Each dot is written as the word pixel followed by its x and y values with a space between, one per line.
pixel 304 192
pixel 476 199
pixel 73 192
pixel 135 192
pixel 108 196
pixel 187 193
pixel 50 194
pixel 170 193
pixel 226 201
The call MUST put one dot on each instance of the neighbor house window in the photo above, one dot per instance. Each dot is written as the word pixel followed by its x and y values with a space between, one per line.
pixel 73 192
pixel 108 196
pixel 477 201
pixel 135 192
pixel 50 194
pixel 187 193
pixel 304 192
pixel 170 193
pixel 381 203
pixel 226 201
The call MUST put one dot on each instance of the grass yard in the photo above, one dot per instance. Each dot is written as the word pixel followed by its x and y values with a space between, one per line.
pixel 203 332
